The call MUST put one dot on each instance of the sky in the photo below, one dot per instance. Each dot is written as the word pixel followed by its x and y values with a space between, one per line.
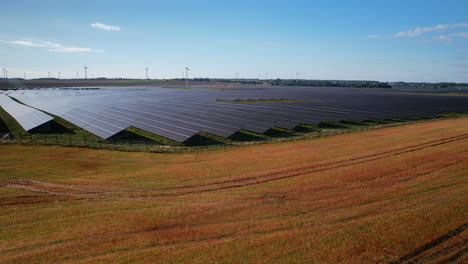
pixel 417 40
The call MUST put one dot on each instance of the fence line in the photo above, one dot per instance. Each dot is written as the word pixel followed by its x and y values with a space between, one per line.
pixel 71 141
pixel 151 146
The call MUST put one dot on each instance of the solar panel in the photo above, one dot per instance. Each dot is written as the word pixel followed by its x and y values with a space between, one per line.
pixel 180 114
pixel 26 116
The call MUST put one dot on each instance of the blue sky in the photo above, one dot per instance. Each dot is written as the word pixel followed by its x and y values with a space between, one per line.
pixel 417 40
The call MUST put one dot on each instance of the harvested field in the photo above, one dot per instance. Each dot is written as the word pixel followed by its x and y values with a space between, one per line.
pixel 391 195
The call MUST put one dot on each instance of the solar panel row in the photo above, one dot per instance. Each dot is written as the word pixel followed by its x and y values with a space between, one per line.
pixel 180 114
pixel 26 116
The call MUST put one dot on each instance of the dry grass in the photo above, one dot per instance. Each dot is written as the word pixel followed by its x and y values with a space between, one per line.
pixel 391 195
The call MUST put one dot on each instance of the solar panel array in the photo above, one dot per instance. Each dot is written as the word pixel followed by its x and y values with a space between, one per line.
pixel 179 114
pixel 26 116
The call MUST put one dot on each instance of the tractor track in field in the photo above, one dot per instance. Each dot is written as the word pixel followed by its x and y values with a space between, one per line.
pixel 286 173
pixel 52 192
pixel 75 191
pixel 11 201
pixel 445 250
pixel 295 168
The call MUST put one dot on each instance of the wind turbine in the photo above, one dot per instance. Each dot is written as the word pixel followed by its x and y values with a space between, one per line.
pixel 297 76
pixel 49 75
pixel 186 75
pixel 59 75
pixel 146 73
pixel 85 72
pixel 25 76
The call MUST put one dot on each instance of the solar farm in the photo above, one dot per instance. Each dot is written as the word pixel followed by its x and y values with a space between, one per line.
pixel 182 174
pixel 390 195
pixel 234 132
pixel 180 114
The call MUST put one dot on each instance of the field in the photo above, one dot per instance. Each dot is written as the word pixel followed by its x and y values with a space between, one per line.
pixel 389 195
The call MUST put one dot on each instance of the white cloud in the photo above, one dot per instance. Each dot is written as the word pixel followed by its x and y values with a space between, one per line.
pixel 105 27
pixel 74 50
pixel 421 30
pixel 374 36
pixel 449 37
pixel 27 43
pixel 51 46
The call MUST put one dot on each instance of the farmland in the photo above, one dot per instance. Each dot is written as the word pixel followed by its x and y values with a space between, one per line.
pixel 390 195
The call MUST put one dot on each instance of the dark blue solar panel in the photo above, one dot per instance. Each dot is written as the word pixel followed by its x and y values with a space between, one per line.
pixel 179 114
pixel 26 116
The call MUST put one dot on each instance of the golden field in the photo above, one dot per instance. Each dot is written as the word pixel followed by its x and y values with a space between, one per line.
pixel 390 195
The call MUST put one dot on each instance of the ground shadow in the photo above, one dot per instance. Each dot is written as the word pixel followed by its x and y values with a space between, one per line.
pixel 3 127
pixel 279 133
pixel 246 136
pixel 353 122
pixel 51 127
pixel 327 124
pixel 305 128
pixel 202 140
pixel 128 137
